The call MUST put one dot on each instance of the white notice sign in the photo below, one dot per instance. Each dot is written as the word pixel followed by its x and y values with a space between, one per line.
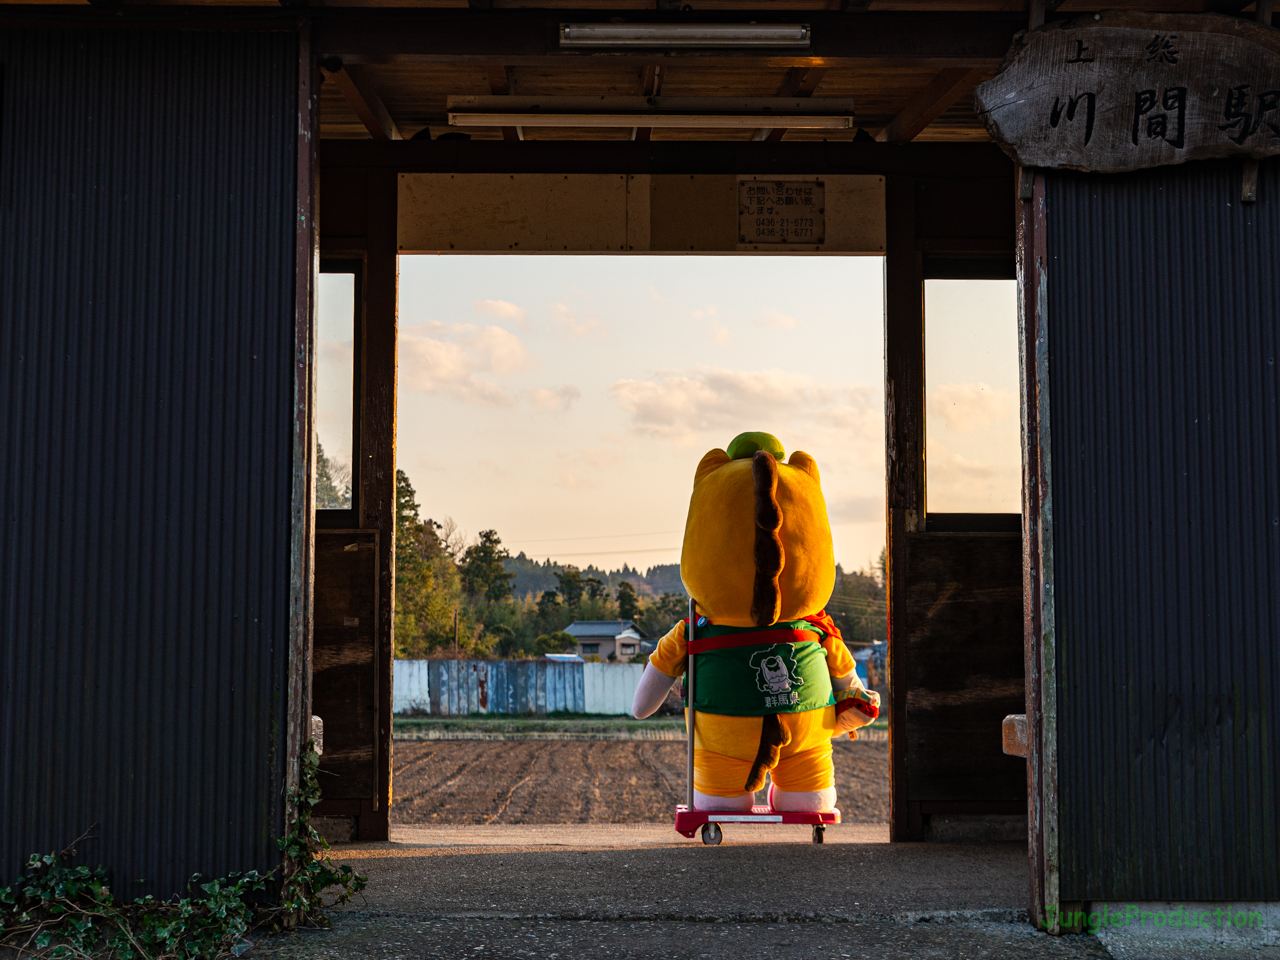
pixel 781 211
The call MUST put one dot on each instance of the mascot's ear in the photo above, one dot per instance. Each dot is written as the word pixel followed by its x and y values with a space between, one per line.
pixel 714 460
pixel 803 461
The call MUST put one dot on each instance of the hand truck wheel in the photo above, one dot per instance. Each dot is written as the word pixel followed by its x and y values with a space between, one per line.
pixel 819 831
pixel 711 834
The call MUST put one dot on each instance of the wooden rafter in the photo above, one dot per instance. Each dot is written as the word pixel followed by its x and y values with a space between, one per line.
pixel 500 86
pixel 930 103
pixel 799 82
pixel 650 86
pixel 362 99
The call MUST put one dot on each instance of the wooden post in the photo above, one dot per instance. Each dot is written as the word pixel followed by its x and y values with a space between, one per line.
pixel 302 540
pixel 378 458
pixel 904 462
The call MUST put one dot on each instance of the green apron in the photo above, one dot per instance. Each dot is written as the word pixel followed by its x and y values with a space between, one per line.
pixel 755 671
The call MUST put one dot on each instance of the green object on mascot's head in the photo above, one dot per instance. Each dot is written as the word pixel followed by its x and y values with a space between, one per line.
pixel 745 445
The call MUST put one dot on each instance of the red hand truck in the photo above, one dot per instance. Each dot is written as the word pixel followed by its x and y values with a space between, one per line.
pixel 689 819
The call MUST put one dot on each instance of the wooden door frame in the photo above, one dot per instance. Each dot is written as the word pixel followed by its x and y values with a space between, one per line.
pixel 359 181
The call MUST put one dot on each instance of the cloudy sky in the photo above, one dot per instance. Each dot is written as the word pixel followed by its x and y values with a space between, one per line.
pixel 565 401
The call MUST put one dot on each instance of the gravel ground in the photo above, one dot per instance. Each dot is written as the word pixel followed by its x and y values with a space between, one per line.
pixel 583 781
pixel 371 937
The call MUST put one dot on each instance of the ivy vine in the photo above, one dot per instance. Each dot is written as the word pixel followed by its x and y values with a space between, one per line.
pixel 58 911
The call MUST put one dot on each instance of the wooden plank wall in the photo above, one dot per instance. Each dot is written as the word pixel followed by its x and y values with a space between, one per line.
pixel 963 630
pixel 344 680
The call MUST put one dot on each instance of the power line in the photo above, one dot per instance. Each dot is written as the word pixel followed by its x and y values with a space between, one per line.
pixel 604 536
pixel 609 553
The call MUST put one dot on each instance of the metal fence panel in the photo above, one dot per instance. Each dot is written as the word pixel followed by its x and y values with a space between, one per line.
pixel 456 687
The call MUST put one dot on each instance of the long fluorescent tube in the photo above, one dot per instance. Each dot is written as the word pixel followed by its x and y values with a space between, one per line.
pixel 655 120
pixel 684 35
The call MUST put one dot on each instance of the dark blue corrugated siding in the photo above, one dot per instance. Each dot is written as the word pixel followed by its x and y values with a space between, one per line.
pixel 147 186
pixel 1163 309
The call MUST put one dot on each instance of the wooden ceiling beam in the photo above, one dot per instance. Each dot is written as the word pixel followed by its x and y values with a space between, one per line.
pixel 362 99
pixel 930 103
pixel 799 82
pixel 650 86
pixel 958 161
pixel 500 86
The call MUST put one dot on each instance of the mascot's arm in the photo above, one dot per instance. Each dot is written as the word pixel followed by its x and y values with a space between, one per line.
pixel 856 706
pixel 666 663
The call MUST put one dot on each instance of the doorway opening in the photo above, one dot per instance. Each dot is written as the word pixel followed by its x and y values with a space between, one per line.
pixel 551 412
pixel 952 580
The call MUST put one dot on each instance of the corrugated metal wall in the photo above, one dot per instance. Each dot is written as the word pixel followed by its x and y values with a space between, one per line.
pixel 453 687
pixel 1163 308
pixel 610 687
pixel 460 687
pixel 147 185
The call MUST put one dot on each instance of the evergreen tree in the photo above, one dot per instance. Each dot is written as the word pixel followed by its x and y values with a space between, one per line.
pixel 428 585
pixel 483 573
pixel 571 585
pixel 628 602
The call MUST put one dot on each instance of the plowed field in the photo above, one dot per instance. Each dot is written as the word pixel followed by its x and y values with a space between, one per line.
pixel 585 781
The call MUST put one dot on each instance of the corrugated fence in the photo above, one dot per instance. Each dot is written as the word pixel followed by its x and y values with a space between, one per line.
pixel 450 688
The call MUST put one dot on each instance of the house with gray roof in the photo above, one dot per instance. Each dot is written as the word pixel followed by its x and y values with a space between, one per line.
pixel 603 637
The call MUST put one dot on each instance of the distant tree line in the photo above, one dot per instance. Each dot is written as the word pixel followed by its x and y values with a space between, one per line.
pixel 454 597
pixel 857 604
pixel 474 600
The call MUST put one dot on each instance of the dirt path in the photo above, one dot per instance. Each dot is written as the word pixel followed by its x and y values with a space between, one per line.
pixel 585 781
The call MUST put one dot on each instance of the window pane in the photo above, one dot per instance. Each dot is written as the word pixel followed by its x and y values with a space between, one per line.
pixel 335 389
pixel 973 450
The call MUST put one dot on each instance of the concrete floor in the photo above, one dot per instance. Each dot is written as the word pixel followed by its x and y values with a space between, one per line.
pixel 642 891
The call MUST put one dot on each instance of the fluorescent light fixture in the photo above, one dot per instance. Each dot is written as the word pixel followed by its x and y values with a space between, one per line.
pixel 656 120
pixel 734 113
pixel 684 35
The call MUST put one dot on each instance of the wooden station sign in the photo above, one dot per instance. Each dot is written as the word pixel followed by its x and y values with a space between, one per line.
pixel 1120 91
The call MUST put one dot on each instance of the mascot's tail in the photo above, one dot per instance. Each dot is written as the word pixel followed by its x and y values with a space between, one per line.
pixel 772 739
pixel 766 598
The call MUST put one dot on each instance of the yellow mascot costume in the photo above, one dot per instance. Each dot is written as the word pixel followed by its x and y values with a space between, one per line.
pixel 774 681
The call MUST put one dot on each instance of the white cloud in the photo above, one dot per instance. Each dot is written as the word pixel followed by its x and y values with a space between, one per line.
pixel 501 308
pixel 720 335
pixel 965 407
pixel 983 480
pixel 573 324
pixel 705 312
pixel 449 359
pixel 778 320
pixel 573 482
pixel 850 508
pixel 681 404
pixel 559 397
